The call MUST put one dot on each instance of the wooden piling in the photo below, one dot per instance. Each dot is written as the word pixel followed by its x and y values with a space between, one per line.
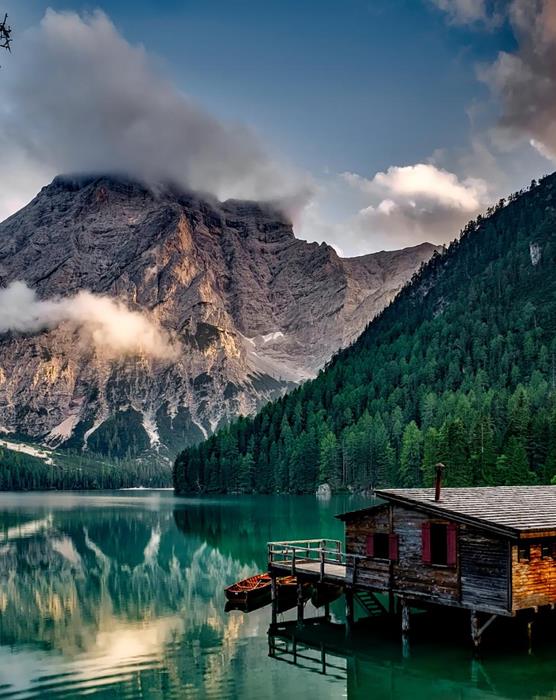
pixel 300 602
pixel 475 629
pixel 405 617
pixel 349 608
pixel 274 596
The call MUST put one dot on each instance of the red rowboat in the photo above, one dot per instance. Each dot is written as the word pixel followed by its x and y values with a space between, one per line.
pixel 258 588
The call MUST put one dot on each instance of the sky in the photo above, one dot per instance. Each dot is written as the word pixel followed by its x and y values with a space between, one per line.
pixel 374 124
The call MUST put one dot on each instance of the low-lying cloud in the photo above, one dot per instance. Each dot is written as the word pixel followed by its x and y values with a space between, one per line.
pixel 83 99
pixel 414 203
pixel 114 330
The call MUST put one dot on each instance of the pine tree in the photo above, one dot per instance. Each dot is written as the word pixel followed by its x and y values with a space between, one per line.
pixel 329 459
pixel 411 456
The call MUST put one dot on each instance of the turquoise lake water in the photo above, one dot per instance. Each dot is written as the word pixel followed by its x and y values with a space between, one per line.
pixel 120 595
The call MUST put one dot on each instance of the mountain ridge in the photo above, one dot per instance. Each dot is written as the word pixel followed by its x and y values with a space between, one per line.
pixel 254 309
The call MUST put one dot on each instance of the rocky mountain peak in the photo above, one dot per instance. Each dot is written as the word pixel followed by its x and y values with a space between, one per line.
pixel 252 309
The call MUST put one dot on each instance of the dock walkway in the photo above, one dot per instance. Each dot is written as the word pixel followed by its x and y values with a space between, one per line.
pixel 319 560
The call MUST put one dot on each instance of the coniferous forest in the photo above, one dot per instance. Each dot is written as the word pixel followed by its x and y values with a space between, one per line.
pixel 76 470
pixel 460 368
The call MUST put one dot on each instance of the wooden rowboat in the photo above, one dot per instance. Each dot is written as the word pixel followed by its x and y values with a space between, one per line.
pixel 250 589
pixel 257 590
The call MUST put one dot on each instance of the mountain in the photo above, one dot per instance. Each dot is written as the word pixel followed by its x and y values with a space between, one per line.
pixel 460 368
pixel 252 309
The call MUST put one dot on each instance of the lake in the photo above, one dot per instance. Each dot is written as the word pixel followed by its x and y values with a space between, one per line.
pixel 120 594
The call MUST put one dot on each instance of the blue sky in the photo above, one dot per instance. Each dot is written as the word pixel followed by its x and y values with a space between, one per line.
pixel 353 87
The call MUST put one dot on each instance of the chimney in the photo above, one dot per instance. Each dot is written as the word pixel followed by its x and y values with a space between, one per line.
pixel 438 481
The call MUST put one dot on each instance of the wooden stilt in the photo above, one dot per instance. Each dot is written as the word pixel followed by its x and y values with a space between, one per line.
pixel 349 608
pixel 300 602
pixel 327 610
pixel 391 603
pixel 406 650
pixel 475 629
pixel 530 637
pixel 405 617
pixel 274 594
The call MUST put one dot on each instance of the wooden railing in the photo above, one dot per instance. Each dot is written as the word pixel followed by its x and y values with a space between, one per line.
pixel 293 552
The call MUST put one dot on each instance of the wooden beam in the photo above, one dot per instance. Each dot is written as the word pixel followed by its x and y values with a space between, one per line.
pixel 487 624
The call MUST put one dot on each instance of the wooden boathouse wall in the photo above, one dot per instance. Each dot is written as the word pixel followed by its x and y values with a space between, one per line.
pixel 533 581
pixel 479 578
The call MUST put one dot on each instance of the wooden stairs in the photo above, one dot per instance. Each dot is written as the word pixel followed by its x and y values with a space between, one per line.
pixel 370 603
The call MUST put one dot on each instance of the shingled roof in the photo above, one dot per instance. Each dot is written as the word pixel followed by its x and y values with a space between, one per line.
pixel 516 511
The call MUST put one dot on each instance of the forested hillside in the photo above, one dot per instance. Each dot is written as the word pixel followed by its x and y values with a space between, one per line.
pixel 460 368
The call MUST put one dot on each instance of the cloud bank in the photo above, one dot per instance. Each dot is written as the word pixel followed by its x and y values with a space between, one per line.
pixel 525 81
pixel 114 330
pixel 410 204
pixel 80 98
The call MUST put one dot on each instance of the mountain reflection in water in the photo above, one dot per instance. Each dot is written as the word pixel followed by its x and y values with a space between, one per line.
pixel 121 594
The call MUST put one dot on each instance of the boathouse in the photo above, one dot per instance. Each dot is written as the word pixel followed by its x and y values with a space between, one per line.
pixel 488 550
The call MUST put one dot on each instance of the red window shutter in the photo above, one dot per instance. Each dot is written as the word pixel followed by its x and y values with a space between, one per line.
pixel 426 540
pixel 370 545
pixel 393 547
pixel 452 544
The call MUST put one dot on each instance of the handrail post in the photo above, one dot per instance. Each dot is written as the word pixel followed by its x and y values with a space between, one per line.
pixel 321 564
pixel 293 561
pixel 354 570
pixel 338 550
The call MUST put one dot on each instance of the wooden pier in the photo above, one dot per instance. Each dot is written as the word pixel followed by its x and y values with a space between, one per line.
pixel 317 560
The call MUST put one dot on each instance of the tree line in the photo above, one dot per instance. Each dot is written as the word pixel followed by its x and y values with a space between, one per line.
pixel 23 472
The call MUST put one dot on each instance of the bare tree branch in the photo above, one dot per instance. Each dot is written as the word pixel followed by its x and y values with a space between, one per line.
pixel 5 34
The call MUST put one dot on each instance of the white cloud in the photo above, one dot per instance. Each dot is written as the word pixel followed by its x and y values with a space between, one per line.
pixel 464 11
pixel 423 181
pixel 410 204
pixel 112 328
pixel 79 98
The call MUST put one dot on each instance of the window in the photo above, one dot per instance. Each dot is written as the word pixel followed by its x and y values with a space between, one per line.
pixel 382 545
pixel 524 552
pixel 548 550
pixel 439 543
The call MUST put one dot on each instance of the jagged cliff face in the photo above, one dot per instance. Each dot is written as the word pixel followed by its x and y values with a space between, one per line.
pixel 252 309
